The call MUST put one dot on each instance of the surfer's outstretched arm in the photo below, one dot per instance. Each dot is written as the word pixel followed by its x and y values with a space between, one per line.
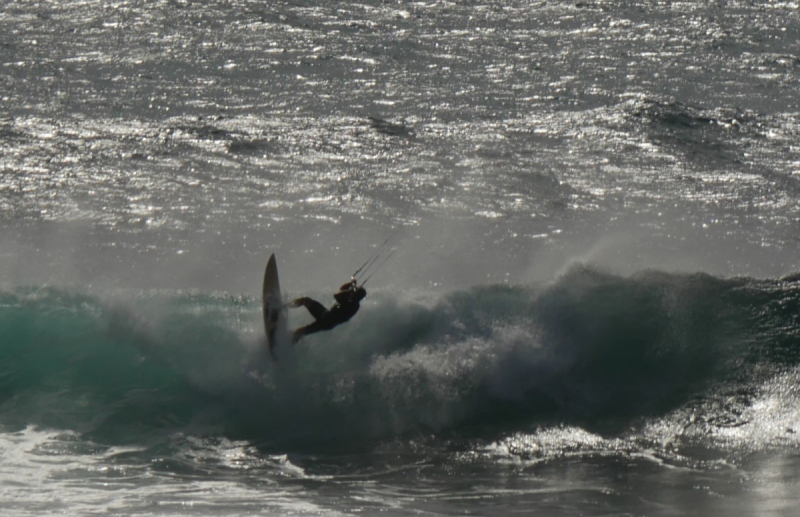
pixel 316 309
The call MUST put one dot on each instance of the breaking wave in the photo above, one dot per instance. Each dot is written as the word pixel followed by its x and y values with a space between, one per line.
pixel 591 348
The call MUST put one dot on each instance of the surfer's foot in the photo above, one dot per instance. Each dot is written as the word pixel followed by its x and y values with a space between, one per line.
pixel 297 302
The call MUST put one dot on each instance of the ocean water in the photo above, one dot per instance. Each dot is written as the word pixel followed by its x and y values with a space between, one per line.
pixel 592 303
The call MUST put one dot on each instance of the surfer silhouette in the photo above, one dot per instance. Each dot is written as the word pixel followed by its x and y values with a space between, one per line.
pixel 347 304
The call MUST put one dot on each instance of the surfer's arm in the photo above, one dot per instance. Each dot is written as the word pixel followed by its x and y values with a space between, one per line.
pixel 346 291
pixel 349 286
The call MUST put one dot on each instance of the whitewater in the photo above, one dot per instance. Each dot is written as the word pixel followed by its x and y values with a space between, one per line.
pixel 592 305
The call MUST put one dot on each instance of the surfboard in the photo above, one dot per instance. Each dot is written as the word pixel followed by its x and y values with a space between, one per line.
pixel 272 307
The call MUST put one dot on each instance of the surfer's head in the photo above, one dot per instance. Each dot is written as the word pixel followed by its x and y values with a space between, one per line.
pixel 359 294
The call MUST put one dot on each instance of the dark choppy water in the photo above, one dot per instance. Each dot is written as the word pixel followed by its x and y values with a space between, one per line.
pixel 592 309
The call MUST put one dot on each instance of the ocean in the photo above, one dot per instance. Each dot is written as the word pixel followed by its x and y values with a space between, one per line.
pixel 587 293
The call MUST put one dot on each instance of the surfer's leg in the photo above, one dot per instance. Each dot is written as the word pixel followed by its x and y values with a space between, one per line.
pixel 316 309
pixel 298 334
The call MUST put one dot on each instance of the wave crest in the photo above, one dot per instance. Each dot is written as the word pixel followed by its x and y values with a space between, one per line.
pixel 590 348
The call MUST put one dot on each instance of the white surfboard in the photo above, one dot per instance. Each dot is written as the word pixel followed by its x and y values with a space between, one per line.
pixel 273 309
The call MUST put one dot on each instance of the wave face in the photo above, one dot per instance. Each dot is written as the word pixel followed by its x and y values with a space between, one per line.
pixel 591 348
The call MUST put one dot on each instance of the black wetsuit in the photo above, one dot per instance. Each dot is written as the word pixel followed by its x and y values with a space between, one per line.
pixel 347 304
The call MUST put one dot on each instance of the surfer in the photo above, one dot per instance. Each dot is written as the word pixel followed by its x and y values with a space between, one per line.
pixel 347 304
